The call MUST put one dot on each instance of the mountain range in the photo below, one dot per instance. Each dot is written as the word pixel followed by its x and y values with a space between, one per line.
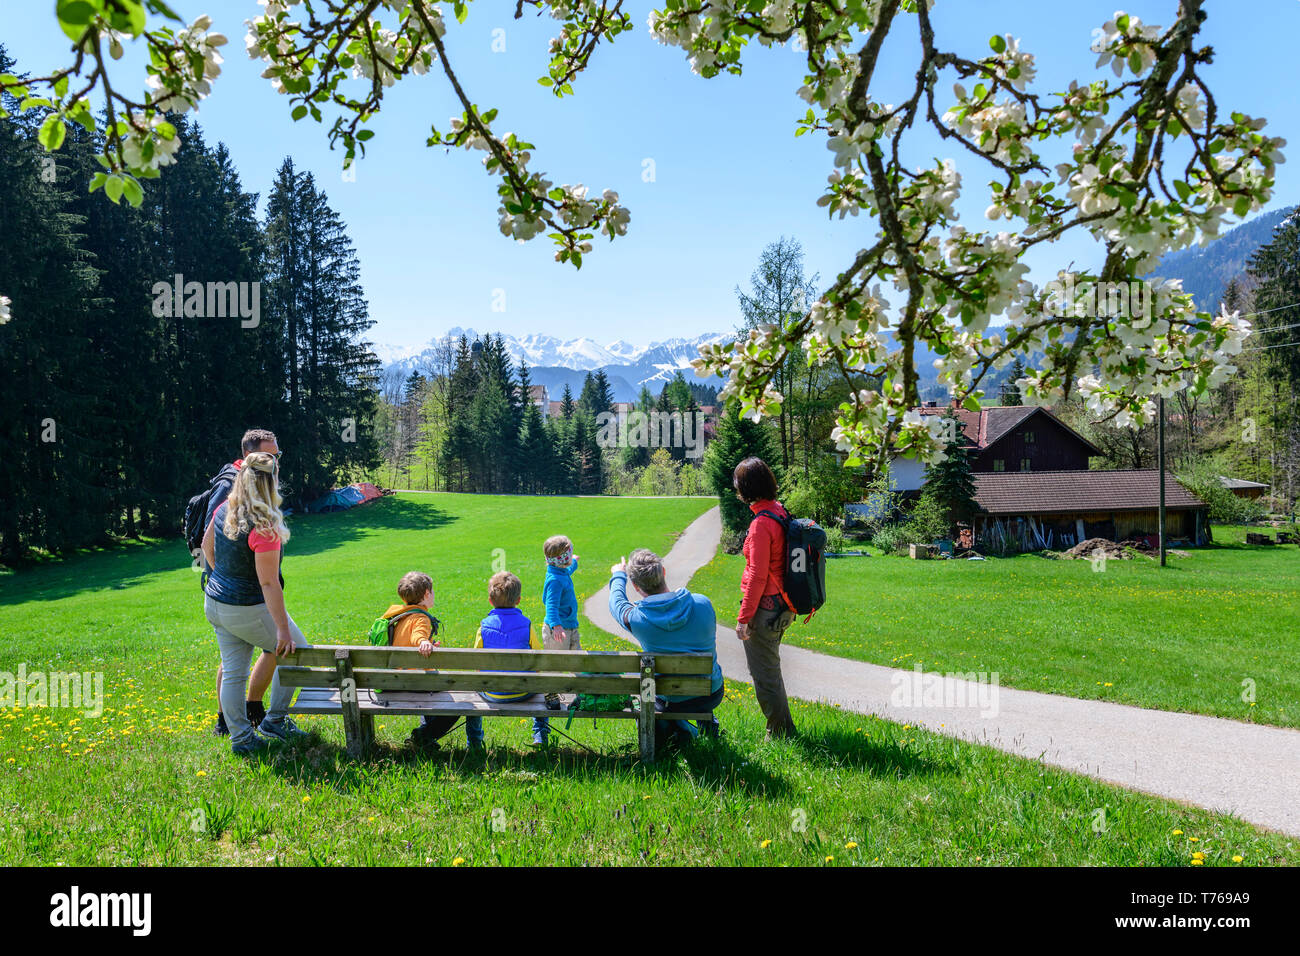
pixel 556 362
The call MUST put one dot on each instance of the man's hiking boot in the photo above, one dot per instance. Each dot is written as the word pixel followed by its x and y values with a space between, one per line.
pixel 283 729
pixel 221 730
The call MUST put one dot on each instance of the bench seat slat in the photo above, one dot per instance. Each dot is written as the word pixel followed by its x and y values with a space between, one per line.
pixel 501 683
pixel 469 659
pixel 325 700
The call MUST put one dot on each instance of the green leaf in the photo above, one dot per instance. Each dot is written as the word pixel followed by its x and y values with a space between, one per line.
pixel 132 191
pixel 365 134
pixel 1135 63
pixel 113 188
pixel 52 132
pixel 299 112
pixel 998 43
pixel 546 81
pixel 971 404
pixel 74 17
pixel 461 10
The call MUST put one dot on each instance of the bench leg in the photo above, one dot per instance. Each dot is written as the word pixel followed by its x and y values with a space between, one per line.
pixel 646 717
pixel 367 732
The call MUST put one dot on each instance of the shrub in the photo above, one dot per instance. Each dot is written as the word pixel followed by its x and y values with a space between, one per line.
pixel 821 493
pixel 928 521
pixel 890 538
pixel 1202 480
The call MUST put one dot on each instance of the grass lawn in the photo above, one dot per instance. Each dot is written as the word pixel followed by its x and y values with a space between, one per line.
pixel 145 783
pixel 1182 638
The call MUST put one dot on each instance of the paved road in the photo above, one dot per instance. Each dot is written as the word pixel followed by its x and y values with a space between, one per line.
pixel 1223 765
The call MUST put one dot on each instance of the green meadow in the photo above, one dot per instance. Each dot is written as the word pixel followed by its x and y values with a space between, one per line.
pixel 1216 632
pixel 145 782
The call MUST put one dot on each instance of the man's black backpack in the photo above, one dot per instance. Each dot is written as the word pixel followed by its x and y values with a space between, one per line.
pixel 805 563
pixel 203 504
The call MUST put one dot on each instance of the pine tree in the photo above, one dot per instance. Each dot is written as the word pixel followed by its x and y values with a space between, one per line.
pixel 1010 390
pixel 737 439
pixel 949 483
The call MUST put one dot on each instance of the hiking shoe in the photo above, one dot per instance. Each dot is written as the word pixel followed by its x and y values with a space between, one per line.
pixel 253 747
pixel 552 701
pixel 282 729
pixel 221 730
pixel 422 742
pixel 541 740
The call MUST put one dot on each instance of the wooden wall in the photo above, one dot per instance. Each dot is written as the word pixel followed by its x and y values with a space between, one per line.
pixel 1054 448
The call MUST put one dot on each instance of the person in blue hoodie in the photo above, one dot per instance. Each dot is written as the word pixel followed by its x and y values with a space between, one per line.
pixel 668 622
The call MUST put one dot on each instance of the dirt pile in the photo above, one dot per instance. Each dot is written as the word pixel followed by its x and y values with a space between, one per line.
pixel 1098 547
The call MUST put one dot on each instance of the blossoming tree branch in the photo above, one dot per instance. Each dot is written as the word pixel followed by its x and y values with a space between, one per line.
pixel 1151 163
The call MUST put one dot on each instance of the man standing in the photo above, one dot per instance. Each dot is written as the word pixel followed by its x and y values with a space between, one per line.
pixel 255 439
pixel 668 622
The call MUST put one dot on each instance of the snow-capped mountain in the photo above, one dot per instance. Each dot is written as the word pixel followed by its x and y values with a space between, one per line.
pixel 554 362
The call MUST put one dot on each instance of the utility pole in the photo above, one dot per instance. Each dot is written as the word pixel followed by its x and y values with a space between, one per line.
pixel 1162 480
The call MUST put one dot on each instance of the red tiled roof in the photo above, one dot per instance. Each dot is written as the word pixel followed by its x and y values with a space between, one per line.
pixel 1063 492
pixel 993 422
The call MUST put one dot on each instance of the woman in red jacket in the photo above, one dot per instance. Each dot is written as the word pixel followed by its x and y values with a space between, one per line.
pixel 764 611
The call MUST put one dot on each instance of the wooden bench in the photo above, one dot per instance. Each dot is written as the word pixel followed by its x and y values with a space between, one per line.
pixel 340 679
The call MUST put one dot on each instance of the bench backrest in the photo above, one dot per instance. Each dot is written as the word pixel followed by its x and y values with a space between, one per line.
pixel 496 671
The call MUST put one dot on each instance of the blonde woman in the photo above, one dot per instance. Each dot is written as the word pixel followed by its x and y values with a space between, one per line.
pixel 244 600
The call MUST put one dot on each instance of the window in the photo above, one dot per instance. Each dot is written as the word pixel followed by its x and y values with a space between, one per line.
pixel 1029 438
pixel 999 464
pixel 1024 464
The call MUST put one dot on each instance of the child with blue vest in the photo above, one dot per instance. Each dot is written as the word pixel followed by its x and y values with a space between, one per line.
pixel 560 627
pixel 505 627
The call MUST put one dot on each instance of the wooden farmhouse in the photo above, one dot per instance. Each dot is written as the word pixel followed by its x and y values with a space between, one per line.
pixel 1033 485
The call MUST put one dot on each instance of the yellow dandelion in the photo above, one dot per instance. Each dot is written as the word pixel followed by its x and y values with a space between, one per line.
pixel 1198 862
pixel 646 797
pixel 1198 855
pixel 458 861
pixel 829 859
pixel 850 845
pixel 306 799
pixel 765 844
pixel 1178 833
pixel 1193 839
pixel 201 773
pixel 1237 859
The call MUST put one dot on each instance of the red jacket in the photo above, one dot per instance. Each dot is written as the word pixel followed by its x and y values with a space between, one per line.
pixel 764 559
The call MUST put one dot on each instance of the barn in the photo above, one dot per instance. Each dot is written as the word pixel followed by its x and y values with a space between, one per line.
pixel 1058 509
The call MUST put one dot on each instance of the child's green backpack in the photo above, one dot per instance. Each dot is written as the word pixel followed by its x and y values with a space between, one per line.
pixel 382 631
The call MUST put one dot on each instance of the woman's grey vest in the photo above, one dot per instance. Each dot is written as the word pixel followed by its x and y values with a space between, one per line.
pixel 233 579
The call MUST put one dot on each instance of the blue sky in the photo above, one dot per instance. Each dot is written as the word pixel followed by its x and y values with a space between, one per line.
pixel 729 174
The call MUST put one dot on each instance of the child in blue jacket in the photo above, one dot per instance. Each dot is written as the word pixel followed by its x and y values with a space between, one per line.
pixel 560 626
